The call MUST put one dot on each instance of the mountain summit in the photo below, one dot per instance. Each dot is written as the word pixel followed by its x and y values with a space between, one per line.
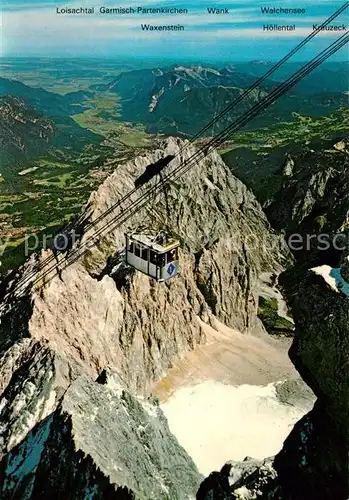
pixel 58 337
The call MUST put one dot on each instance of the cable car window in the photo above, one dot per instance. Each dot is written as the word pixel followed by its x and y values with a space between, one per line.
pixel 137 250
pixel 144 254
pixel 131 247
pixel 161 260
pixel 153 258
pixel 172 255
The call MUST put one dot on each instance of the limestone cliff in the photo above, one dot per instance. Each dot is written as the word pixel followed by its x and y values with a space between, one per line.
pixel 313 191
pixel 314 459
pixel 313 202
pixel 313 463
pixel 98 312
pixel 101 442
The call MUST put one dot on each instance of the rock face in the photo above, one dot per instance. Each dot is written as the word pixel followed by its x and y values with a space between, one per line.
pixel 225 237
pixel 27 130
pixel 74 321
pixel 303 188
pixel 23 132
pixel 313 202
pixel 245 480
pixel 101 442
pixel 314 461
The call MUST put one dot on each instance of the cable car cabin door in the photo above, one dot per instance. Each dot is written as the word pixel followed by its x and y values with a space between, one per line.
pixel 171 265
pixel 166 265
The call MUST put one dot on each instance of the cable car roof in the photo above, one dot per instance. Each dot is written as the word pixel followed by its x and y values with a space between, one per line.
pixel 149 240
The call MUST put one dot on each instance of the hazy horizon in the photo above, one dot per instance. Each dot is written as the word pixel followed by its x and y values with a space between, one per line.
pixel 36 30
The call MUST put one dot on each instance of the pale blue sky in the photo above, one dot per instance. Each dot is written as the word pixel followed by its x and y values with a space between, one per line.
pixel 34 29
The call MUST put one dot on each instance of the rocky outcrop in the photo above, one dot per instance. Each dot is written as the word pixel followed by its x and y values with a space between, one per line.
pixel 23 132
pixel 313 202
pixel 313 463
pixel 225 237
pixel 314 460
pixel 247 480
pixel 302 184
pixel 101 442
pixel 28 132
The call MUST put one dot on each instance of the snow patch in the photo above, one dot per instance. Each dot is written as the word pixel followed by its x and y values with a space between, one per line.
pixel 3 403
pixel 243 493
pixel 115 386
pixel 216 422
pixel 209 183
pixel 333 277
pixel 94 413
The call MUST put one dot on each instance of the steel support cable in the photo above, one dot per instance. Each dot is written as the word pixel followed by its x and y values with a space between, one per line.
pixel 280 90
pixel 272 70
pixel 179 171
pixel 225 111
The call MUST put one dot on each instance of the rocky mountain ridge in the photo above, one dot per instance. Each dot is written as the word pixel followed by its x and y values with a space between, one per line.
pixel 315 184
pixel 23 133
pixel 303 188
pixel 35 122
pixel 80 452
pixel 164 98
pixel 46 103
pixel 98 313
pixel 313 463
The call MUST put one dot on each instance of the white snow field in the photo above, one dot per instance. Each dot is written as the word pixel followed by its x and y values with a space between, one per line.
pixel 220 399
pixel 216 422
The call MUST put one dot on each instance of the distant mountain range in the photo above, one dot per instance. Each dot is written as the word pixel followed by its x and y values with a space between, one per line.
pixel 47 103
pixel 34 121
pixel 179 77
pixel 182 100
pixel 329 77
pixel 177 100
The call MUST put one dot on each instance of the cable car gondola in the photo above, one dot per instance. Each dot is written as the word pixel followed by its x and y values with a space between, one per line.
pixel 154 255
